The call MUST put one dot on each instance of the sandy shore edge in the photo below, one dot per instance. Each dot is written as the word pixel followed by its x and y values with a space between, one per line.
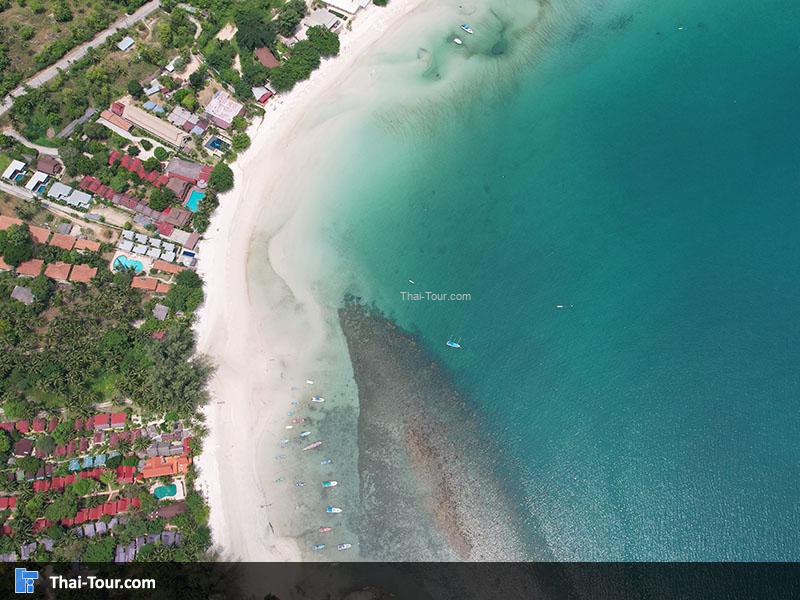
pixel 253 356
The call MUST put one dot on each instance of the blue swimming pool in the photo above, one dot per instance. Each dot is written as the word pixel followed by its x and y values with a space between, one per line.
pixel 123 262
pixel 193 203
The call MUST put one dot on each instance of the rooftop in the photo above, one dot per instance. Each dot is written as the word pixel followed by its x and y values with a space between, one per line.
pixel 58 271
pixel 152 124
pixel 82 273
pixel 266 58
pixel 223 108
pixel 30 268
pixel 61 240
pixel 23 294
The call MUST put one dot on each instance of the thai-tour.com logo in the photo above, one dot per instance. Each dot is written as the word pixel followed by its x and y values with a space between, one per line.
pixel 24 580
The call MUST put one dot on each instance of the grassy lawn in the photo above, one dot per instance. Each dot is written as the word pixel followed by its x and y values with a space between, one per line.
pixel 5 160
pixel 36 22
pixel 105 385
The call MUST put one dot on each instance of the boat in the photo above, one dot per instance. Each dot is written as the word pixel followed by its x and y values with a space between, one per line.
pixel 300 484
pixel 318 547
pixel 326 461
pixel 317 399
pixel 333 510
pixel 457 41
pixel 284 441
pixel 344 546
pixel 329 484
pixel 411 281
pixel 290 427
pixel 313 445
pixel 325 529
pixel 309 382
pixel 451 343
pixel 290 413
pixel 305 434
pixel 467 28
pixel 299 420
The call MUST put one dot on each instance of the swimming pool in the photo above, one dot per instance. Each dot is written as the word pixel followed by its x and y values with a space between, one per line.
pixel 165 491
pixel 123 262
pixel 193 203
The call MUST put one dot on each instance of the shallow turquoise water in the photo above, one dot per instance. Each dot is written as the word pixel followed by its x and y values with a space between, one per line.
pixel 123 262
pixel 193 203
pixel 645 175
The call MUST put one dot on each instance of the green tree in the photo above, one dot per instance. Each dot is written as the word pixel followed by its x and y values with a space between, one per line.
pixel 221 178
pixel 252 30
pixel 324 40
pixel 198 78
pixel 160 198
pixel 44 444
pixel 240 141
pixel 135 88
pixel 18 246
pixel 5 442
pixel 160 153
pixel 62 12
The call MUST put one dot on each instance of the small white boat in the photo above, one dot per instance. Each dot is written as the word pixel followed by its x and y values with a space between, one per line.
pixel 317 399
pixel 329 484
pixel 300 484
pixel 305 434
pixel 457 41
pixel 309 382
pixel 344 546
pixel 411 281
pixel 451 343
pixel 290 427
pixel 333 510
pixel 318 547
pixel 467 28
pixel 326 461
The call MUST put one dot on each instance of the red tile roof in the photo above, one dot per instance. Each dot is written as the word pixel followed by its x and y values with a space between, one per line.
pixel 30 268
pixel 4 266
pixel 40 235
pixel 144 283
pixel 62 240
pixel 8 502
pixel 165 228
pixel 58 271
pixel 162 288
pixel 82 273
pixel 90 245
pixel 51 426
pixel 23 426
pixel 39 425
pixel 167 267
pixel 6 222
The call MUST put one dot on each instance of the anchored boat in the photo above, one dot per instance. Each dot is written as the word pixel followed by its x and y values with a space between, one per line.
pixel 451 343
pixel 329 484
pixel 317 399
pixel 325 529
pixel 313 445
pixel 457 41
pixel 326 461
pixel 318 547
pixel 305 434
pixel 344 546
pixel 333 510
pixel 467 28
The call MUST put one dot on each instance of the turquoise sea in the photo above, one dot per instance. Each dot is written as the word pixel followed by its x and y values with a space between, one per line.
pixel 642 172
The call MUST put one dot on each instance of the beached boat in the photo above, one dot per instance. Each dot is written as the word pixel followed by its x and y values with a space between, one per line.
pixel 325 529
pixel 457 41
pixel 467 28
pixel 318 547
pixel 317 399
pixel 326 461
pixel 305 434
pixel 329 484
pixel 333 510
pixel 313 445
pixel 451 343
pixel 343 546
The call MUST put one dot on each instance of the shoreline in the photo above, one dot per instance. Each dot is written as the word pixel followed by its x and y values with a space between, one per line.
pixel 252 348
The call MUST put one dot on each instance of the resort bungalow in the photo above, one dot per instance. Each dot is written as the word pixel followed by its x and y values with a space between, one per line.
pixel 30 268
pixel 222 109
pixel 37 182
pixel 266 58
pixel 23 294
pixel 15 171
pixel 155 126
pixel 261 94
pixel 64 193
pixel 58 271
pixel 82 273
pixel 348 7
pixel 48 164
pixel 321 17
pixel 125 43
pixel 39 235
pixel 63 241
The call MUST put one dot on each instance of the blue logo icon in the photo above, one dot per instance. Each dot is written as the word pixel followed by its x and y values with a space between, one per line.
pixel 23 580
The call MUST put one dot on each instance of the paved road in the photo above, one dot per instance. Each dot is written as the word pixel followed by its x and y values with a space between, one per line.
pixel 15 190
pixel 79 52
pixel 20 138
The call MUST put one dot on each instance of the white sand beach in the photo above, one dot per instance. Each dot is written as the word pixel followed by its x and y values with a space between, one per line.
pixel 261 326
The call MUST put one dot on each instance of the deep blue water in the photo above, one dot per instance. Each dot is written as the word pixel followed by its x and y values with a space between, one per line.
pixel 644 174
